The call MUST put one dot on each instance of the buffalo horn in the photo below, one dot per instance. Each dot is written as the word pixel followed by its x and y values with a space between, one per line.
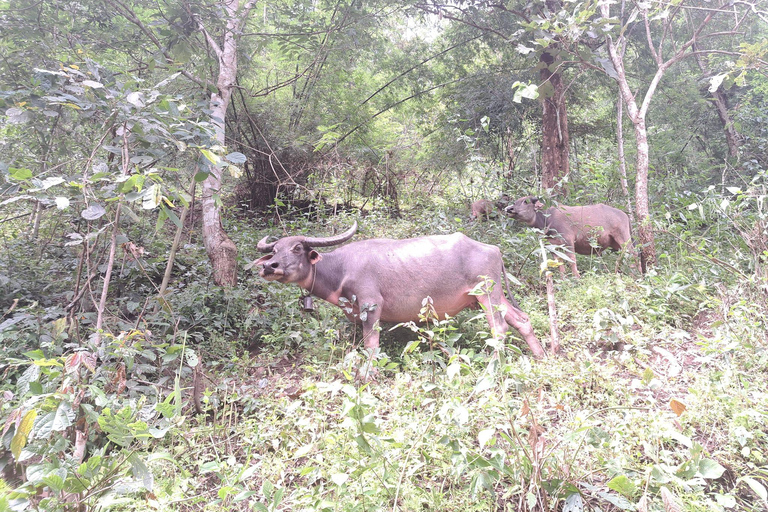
pixel 263 246
pixel 331 240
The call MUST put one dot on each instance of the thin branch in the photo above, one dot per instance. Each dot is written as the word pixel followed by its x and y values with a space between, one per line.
pixel 128 14
pixel 416 66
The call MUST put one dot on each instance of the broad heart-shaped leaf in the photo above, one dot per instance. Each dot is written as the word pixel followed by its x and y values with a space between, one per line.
pixel 93 212
pixel 710 469
pixel 236 157
pixel 623 486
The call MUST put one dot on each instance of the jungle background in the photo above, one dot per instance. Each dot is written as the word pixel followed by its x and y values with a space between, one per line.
pixel 146 146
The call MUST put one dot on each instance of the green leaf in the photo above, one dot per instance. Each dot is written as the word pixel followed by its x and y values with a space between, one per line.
pixel 236 158
pixel 211 156
pixel 725 500
pixel 529 91
pixel 710 469
pixel 19 440
pixel 19 174
pixel 340 478
pixel 485 435
pixel 44 426
pixel 93 212
pixel 623 485
pixel 140 471
pixel 234 171
pixel 756 487
pixel 573 503
pixel 30 375
pixel 63 418
pixel 716 81
pixel 152 197
pixel 54 481
pixel 172 215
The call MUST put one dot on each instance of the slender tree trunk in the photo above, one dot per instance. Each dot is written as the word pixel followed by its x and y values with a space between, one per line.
pixel 554 128
pixel 721 104
pixel 642 205
pixel 622 158
pixel 731 135
pixel 637 115
pixel 554 334
pixel 175 247
pixel 220 249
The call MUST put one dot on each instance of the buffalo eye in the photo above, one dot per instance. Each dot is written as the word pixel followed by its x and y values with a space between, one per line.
pixel 297 249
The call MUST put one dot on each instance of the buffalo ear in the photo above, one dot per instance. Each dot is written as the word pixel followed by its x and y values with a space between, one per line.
pixel 314 257
pixel 537 204
pixel 258 262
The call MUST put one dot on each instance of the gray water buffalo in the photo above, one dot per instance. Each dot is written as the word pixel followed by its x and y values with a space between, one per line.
pixel 580 229
pixel 389 279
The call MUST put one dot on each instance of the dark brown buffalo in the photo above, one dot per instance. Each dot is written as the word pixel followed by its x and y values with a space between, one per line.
pixel 580 229
pixel 389 279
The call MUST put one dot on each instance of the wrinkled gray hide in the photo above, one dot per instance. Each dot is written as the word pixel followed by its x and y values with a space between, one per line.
pixel 576 228
pixel 396 276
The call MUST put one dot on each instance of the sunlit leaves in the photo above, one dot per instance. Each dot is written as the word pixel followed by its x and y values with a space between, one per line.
pixel 20 174
pixel 522 90
pixel 93 212
pixel 19 440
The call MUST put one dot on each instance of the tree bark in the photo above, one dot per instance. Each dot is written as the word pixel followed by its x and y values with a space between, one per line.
pixel 622 158
pixel 554 130
pixel 220 249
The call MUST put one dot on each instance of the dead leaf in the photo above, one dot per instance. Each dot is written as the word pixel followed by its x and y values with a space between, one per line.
pixel 677 406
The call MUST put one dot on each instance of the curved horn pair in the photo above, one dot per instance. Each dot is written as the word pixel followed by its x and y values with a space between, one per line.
pixel 263 246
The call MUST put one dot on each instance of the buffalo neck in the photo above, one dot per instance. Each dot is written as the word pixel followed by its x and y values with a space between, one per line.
pixel 540 221
pixel 324 280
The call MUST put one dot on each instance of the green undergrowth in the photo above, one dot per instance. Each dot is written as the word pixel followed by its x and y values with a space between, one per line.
pixel 657 401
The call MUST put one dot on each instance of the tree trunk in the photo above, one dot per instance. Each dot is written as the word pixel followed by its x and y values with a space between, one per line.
pixel 731 135
pixel 220 249
pixel 644 227
pixel 554 128
pixel 637 115
pixel 721 104
pixel 622 158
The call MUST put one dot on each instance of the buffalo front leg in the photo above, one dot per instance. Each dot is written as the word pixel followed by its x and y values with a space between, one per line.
pixel 501 316
pixel 371 327
pixel 520 321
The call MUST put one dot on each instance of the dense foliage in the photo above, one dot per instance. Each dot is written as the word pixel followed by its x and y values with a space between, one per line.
pixel 132 382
